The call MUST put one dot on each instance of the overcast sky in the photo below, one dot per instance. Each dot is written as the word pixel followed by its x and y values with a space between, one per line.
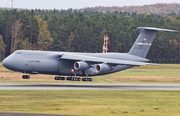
pixel 76 4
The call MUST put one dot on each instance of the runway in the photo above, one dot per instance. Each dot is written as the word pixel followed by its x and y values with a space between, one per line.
pixel 89 86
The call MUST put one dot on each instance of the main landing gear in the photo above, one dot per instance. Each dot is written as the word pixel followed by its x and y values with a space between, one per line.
pixel 73 79
pixel 59 78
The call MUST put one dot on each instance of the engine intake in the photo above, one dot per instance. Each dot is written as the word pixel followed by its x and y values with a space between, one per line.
pixel 102 68
pixel 81 65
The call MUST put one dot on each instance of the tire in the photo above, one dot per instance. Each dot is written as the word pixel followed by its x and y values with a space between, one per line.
pixel 73 79
pixel 84 79
pixel 90 79
pixel 23 76
pixel 28 77
pixel 63 78
pixel 67 78
pixel 78 79
pixel 58 78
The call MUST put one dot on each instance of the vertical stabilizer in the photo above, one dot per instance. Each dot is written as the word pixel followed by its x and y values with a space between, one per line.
pixel 144 40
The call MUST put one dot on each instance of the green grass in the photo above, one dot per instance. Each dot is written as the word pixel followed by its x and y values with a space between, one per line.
pixel 92 103
pixel 165 70
pixel 149 72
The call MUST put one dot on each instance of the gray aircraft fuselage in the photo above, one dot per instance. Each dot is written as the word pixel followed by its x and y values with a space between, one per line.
pixel 49 62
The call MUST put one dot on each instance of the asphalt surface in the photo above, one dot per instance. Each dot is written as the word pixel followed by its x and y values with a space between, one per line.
pixel 89 86
pixel 21 114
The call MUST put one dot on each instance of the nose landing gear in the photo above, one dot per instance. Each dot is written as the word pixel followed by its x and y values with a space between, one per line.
pixel 26 77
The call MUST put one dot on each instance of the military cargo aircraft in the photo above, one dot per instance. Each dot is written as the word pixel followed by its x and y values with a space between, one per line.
pixel 73 64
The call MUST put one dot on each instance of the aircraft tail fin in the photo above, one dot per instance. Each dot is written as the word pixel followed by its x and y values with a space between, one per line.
pixel 144 40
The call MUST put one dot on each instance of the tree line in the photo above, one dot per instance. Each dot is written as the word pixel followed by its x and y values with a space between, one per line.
pixel 83 31
pixel 159 8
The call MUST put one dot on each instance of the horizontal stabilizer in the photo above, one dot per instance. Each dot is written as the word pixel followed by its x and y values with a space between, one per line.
pixel 155 29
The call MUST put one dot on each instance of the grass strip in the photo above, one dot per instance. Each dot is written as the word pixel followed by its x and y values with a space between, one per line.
pixel 91 102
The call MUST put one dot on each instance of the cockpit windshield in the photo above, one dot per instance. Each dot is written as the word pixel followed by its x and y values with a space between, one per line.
pixel 17 52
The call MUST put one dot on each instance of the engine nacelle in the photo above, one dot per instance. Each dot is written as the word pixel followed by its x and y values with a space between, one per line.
pixel 81 65
pixel 102 68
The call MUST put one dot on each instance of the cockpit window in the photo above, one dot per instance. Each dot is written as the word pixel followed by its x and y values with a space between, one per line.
pixel 17 52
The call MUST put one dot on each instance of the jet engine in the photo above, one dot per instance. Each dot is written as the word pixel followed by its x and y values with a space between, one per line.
pixel 81 65
pixel 102 68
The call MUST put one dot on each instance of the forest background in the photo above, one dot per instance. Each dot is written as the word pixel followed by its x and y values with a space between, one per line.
pixel 83 30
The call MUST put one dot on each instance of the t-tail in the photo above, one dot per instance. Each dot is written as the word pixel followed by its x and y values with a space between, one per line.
pixel 144 40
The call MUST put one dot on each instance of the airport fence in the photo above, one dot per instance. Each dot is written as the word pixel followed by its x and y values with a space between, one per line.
pixel 165 61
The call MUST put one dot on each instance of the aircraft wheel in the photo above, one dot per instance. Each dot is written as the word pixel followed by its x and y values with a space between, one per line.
pixel 58 78
pixel 84 79
pixel 78 79
pixel 62 78
pixel 90 79
pixel 69 78
pixel 74 79
pixel 26 77
pixel 23 76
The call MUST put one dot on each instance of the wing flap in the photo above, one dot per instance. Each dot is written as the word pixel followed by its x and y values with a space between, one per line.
pixel 103 60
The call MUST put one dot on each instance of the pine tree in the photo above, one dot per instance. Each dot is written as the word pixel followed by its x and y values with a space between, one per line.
pixel 71 37
pixel 44 40
pixel 2 48
pixel 17 35
pixel 33 29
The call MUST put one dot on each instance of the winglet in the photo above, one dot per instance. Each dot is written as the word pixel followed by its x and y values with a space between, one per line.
pixel 156 29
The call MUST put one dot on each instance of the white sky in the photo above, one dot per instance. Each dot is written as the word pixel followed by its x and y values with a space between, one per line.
pixel 76 4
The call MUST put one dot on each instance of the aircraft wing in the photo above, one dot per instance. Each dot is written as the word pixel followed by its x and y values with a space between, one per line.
pixel 93 60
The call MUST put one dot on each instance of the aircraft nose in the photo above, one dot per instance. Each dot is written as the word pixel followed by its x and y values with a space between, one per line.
pixel 5 63
pixel 10 64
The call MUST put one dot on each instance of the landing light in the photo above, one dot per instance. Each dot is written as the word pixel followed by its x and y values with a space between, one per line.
pixel 72 70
